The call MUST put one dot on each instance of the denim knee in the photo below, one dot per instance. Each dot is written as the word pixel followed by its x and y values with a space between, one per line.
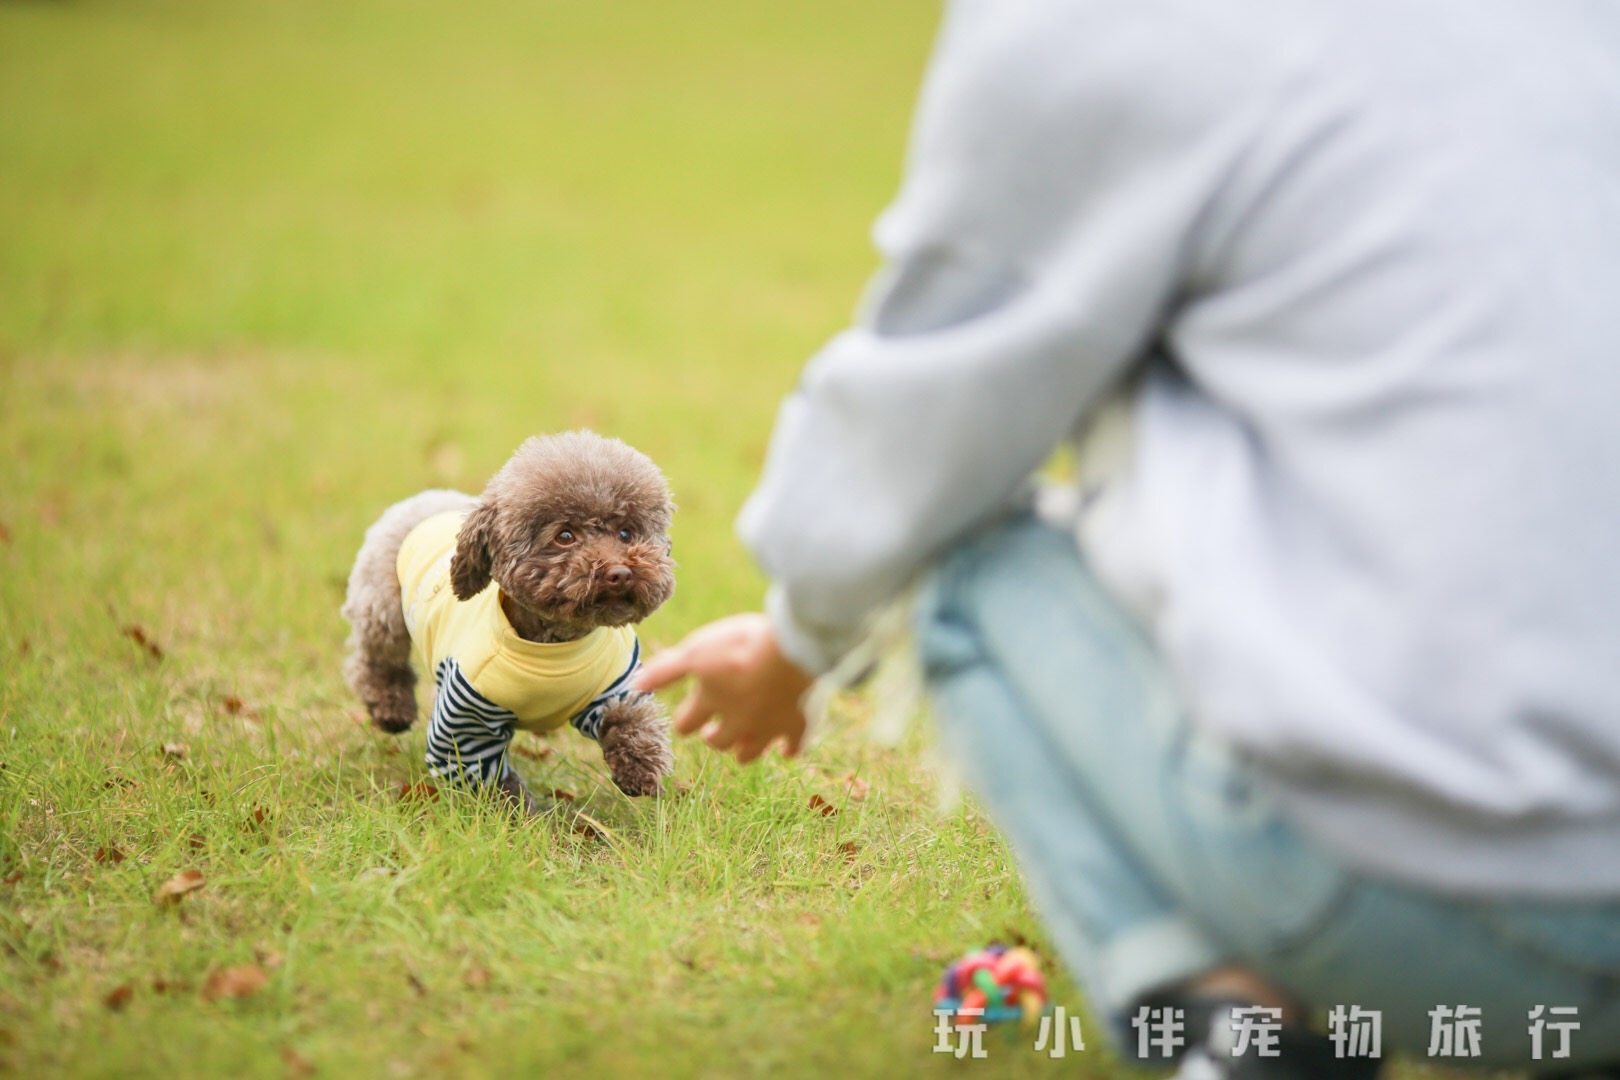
pixel 946 618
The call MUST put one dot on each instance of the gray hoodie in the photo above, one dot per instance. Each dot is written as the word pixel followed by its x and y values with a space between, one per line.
pixel 1361 261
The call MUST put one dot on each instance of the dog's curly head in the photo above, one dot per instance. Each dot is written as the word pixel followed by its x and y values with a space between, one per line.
pixel 575 529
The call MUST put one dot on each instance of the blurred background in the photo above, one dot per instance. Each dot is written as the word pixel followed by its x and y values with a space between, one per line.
pixel 401 236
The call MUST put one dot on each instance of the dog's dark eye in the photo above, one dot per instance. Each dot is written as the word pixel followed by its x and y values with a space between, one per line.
pixel 564 538
pixel 624 535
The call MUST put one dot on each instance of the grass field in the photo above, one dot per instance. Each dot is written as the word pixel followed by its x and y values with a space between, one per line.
pixel 266 266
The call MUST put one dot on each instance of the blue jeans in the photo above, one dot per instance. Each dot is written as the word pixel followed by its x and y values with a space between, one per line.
pixel 1154 856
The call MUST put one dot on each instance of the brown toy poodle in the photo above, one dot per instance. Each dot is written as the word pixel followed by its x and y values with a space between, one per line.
pixel 521 603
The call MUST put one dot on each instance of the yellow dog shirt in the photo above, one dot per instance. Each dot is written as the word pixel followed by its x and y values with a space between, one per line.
pixel 490 681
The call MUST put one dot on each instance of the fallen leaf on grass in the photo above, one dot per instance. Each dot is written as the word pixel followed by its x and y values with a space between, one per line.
pixel 160 985
pixel 850 849
pixel 235 706
pixel 260 815
pixel 297 1064
pixel 826 808
pixel 186 881
pixel 118 997
pixel 241 981
pixel 413 792
pixel 196 841
pixel 139 636
pixel 585 825
pixel 176 750
pixel 50 508
pixel 268 957
pixel 565 796
pixel 12 878
pixel 534 753
pixel 109 854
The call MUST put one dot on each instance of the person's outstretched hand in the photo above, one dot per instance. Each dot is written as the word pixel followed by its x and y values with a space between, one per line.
pixel 747 693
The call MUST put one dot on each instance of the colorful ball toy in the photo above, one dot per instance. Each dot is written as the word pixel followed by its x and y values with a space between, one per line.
pixel 1006 983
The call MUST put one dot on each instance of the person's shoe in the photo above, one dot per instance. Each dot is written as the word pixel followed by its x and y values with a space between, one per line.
pixel 1212 1030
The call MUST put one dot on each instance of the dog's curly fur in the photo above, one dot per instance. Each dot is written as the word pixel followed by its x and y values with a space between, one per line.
pixel 574 530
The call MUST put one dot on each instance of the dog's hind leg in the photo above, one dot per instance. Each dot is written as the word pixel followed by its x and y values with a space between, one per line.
pixel 378 666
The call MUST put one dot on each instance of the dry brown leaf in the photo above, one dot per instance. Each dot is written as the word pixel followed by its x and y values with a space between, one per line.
pixel 268 957
pixel 243 980
pixel 1011 935
pixel 160 985
pixel 118 997
pixel 196 841
pixel 825 808
pixel 186 881
pixel 850 849
pixel 585 825
pixel 565 796
pixel 231 704
pixel 260 815
pixel 109 854
pixel 534 753
pixel 418 791
pixel 12 878
pixel 139 636
pixel 50 508
pixel 176 750
pixel 297 1064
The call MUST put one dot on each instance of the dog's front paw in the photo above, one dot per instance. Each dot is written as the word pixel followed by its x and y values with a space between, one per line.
pixel 517 794
pixel 635 745
pixel 637 778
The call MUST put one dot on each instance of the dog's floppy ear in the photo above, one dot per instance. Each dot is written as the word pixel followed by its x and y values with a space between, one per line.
pixel 469 567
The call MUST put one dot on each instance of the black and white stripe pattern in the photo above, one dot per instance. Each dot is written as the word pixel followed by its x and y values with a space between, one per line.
pixel 468 735
pixel 588 720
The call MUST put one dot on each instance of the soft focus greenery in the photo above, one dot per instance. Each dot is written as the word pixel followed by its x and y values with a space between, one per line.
pixel 268 265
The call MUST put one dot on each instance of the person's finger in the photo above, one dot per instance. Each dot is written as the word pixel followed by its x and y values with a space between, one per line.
pixel 694 712
pixel 671 665
pixel 720 735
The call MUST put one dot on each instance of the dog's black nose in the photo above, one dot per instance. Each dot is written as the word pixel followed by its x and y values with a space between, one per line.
pixel 617 577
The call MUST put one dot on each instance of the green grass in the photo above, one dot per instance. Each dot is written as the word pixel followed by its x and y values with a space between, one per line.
pixel 266 266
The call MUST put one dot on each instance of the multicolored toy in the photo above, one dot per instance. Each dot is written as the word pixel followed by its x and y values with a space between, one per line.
pixel 1005 983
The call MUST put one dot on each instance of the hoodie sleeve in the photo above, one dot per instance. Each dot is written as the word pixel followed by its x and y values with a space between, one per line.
pixel 1060 159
